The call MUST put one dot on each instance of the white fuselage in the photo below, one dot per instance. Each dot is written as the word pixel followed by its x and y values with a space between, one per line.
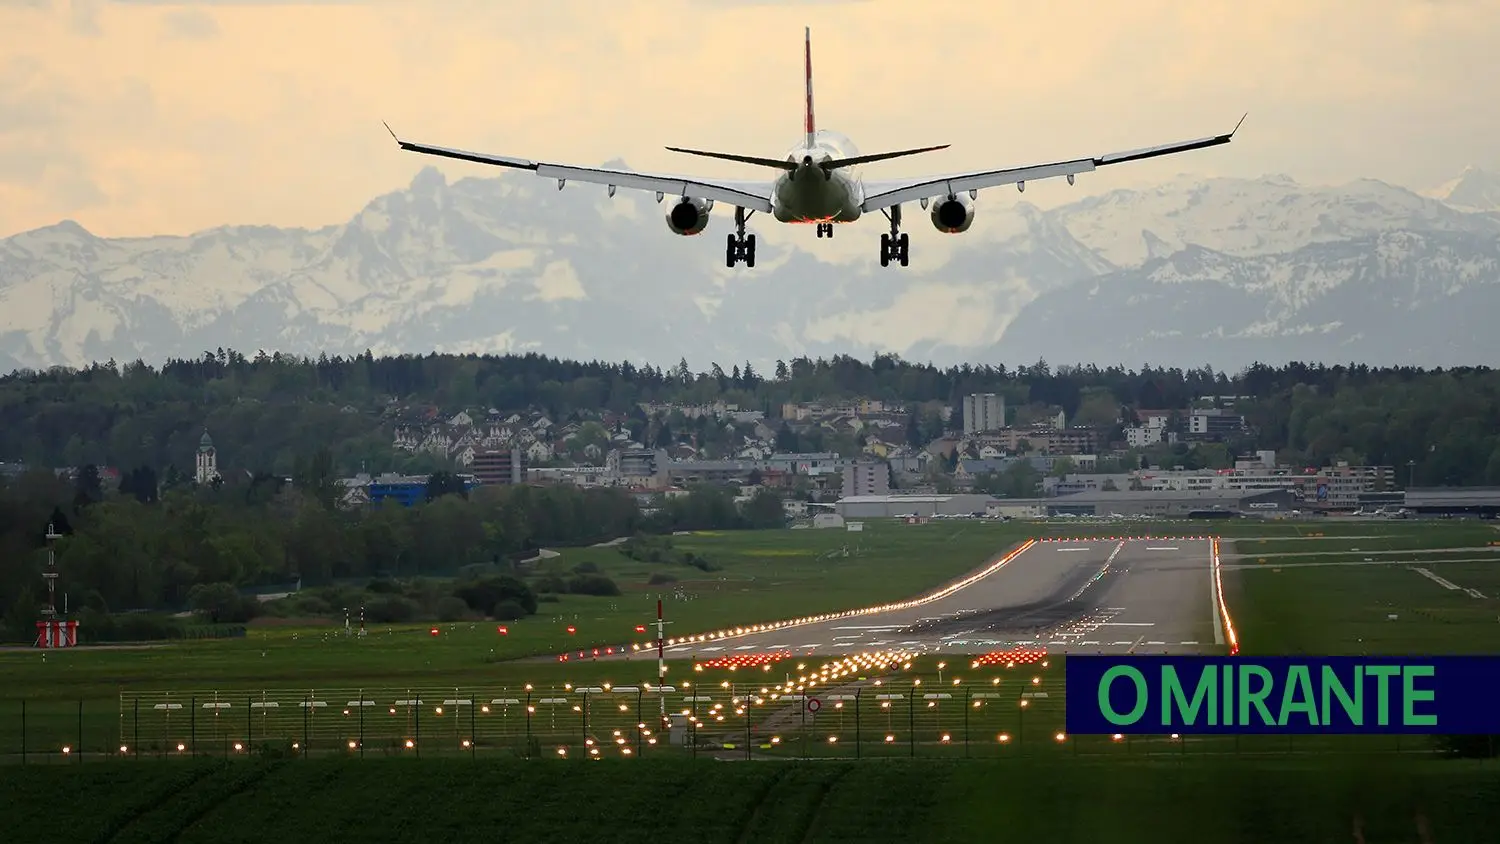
pixel 811 195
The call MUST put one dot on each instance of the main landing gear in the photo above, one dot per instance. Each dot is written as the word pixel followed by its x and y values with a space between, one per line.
pixel 896 245
pixel 825 230
pixel 741 247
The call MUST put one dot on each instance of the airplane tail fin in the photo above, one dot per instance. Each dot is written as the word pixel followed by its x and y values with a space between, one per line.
pixel 810 125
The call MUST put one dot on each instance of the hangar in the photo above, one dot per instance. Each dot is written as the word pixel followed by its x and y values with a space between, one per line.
pixel 1481 501
pixel 895 506
pixel 1207 503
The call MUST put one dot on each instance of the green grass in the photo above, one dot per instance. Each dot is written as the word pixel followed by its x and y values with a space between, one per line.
pixel 1278 607
pixel 1339 604
pixel 901 800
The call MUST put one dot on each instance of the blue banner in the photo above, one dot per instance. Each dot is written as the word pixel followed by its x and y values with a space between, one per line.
pixel 1344 695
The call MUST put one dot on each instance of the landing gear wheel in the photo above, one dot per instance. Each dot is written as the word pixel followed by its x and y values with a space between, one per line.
pixel 897 244
pixel 825 230
pixel 739 246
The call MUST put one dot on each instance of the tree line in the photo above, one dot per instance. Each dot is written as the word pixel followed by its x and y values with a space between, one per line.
pixel 265 411
pixel 190 546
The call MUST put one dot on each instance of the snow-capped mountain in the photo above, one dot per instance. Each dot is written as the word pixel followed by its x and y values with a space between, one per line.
pixel 1221 271
pixel 1473 190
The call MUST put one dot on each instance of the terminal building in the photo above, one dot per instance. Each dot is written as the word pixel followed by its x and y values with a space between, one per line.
pixel 1208 503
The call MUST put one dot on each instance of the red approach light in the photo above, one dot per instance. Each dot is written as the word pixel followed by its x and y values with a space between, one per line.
pixel 640 628
pixel 745 660
pixel 502 630
pixel 433 631
pixel 572 629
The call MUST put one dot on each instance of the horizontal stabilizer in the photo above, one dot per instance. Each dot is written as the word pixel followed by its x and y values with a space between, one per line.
pixel 779 164
pixel 879 156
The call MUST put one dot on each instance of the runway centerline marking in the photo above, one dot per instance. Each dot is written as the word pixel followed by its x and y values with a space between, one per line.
pixel 1070 550
pixel 1127 624
pixel 1161 548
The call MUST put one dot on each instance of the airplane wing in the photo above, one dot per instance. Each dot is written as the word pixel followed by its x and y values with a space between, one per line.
pixel 880 195
pixel 750 195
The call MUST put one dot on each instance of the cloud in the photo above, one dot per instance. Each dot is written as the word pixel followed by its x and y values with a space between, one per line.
pixel 190 23
pixel 194 114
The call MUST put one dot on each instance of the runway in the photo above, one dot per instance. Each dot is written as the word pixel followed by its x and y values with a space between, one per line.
pixel 1144 596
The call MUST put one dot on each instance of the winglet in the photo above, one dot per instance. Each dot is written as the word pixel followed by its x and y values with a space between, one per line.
pixel 1237 125
pixel 392 131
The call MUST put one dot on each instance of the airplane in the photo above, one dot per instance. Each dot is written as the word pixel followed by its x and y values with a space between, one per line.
pixel 819 182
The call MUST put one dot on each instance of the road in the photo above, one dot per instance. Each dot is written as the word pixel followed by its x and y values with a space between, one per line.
pixel 1145 596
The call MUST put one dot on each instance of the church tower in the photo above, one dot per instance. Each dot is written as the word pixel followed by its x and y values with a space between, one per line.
pixel 207 467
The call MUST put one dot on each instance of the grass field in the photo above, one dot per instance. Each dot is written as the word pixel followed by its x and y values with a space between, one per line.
pixel 971 763
pixel 909 801
pixel 1296 601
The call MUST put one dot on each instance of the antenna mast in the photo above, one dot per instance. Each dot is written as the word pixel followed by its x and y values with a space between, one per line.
pixel 50 575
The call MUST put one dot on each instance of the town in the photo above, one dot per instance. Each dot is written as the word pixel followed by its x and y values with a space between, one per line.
pixel 830 461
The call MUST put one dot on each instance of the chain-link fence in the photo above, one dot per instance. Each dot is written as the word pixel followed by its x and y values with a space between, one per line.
pixel 872 718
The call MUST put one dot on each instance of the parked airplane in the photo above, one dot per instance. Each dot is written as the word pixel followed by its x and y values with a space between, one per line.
pixel 819 183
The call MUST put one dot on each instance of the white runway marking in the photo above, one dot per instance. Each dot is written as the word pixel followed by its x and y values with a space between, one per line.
pixel 883 628
pixel 1161 548
pixel 1128 624
pixel 745 648
pixel 714 648
pixel 1189 643
pixel 1088 643
pixel 1156 643
pixel 853 636
pixel 1119 643
pixel 1070 550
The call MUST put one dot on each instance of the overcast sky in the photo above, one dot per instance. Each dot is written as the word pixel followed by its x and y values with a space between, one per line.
pixel 139 117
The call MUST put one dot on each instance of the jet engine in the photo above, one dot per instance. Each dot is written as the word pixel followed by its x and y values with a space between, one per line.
pixel 953 214
pixel 689 216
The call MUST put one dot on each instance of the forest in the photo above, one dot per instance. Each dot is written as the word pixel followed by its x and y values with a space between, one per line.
pixel 148 545
pixel 289 427
pixel 266 411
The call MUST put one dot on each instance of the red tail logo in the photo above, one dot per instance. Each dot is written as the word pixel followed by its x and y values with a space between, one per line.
pixel 811 125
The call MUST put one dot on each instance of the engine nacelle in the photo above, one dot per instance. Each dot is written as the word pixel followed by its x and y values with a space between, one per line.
pixel 953 214
pixel 689 216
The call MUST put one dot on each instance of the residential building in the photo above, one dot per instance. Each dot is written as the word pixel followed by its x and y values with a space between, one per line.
pixel 498 466
pixel 866 478
pixel 1152 430
pixel 1214 423
pixel 983 412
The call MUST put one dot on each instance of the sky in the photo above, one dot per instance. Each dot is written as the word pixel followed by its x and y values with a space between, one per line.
pixel 137 117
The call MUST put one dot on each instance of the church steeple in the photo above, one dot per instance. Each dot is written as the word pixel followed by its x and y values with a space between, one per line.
pixel 206 466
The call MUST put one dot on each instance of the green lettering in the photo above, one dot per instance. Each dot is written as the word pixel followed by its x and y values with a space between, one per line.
pixel 1383 691
pixel 1299 683
pixel 1228 696
pixel 1353 707
pixel 1256 699
pixel 1141 696
pixel 1410 695
pixel 1172 694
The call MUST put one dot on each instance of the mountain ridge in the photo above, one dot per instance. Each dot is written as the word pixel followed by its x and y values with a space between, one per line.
pixel 511 264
